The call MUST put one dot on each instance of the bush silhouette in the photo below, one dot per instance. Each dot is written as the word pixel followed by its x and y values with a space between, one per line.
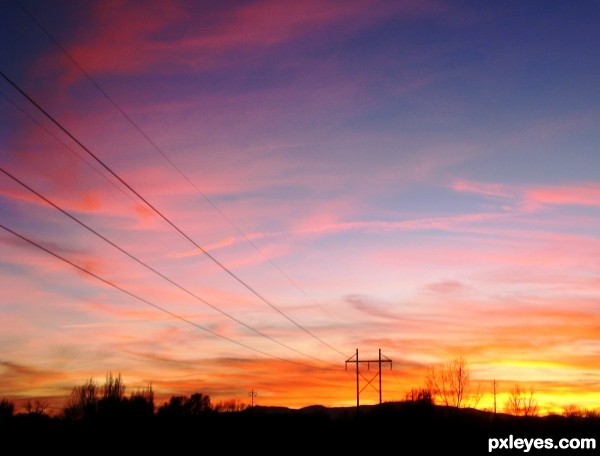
pixel 182 406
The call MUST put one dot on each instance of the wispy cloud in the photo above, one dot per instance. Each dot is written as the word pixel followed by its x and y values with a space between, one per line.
pixel 578 194
pixel 127 43
pixel 447 287
pixel 489 189
pixel 429 223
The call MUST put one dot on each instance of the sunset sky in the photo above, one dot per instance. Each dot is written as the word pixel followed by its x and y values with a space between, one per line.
pixel 420 177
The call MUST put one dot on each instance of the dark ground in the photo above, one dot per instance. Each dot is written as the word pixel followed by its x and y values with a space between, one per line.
pixel 396 428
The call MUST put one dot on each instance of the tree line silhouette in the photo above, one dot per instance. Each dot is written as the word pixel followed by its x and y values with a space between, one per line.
pixel 94 401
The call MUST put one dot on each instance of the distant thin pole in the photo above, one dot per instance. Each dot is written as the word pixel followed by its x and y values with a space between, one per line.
pixel 357 390
pixel 495 384
pixel 380 375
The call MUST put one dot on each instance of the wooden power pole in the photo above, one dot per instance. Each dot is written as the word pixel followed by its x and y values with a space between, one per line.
pixel 354 359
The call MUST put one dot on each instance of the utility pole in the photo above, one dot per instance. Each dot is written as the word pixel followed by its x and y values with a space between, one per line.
pixel 380 374
pixel 495 385
pixel 354 359
pixel 252 395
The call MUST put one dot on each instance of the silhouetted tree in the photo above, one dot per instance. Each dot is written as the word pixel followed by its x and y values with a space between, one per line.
pixel 174 408
pixel 420 396
pixel 521 402
pixel 36 408
pixel 231 405
pixel 108 402
pixel 83 401
pixel 113 387
pixel 113 402
pixel 452 385
pixel 179 406
pixel 141 402
pixel 573 411
pixel 593 414
pixel 7 408
pixel 198 404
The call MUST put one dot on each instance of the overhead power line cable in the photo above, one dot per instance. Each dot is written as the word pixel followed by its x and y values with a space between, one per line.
pixel 145 301
pixel 66 146
pixel 164 217
pixel 165 156
pixel 133 257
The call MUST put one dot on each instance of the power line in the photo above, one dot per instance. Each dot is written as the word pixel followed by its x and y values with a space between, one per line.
pixel 66 146
pixel 145 301
pixel 212 306
pixel 164 155
pixel 165 218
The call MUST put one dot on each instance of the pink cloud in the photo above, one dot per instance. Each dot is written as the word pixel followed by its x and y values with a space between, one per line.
pixel 89 201
pixel 142 313
pixel 447 287
pixel 558 251
pixel 532 197
pixel 484 188
pixel 435 223
pixel 582 194
pixel 226 242
pixel 123 37
pixel 130 39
